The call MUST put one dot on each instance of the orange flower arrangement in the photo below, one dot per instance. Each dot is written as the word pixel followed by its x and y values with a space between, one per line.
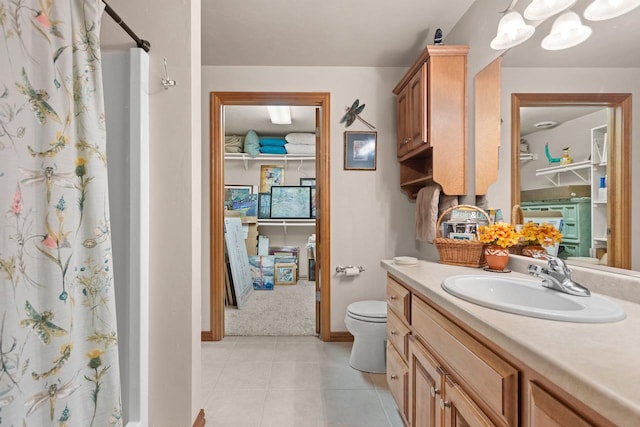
pixel 499 233
pixel 540 234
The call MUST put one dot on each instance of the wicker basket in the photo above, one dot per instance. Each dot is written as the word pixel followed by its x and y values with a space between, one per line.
pixel 468 253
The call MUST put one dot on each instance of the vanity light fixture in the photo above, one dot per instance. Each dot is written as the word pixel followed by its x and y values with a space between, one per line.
pixel 567 31
pixel 512 31
pixel 540 10
pixel 600 10
pixel 279 114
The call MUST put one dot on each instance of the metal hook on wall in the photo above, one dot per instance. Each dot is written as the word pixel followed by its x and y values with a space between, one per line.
pixel 166 82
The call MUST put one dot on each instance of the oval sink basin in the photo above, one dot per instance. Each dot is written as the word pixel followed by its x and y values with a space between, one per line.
pixel 529 297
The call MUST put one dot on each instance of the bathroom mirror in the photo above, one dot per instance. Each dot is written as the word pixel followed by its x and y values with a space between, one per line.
pixel 611 139
pixel 580 76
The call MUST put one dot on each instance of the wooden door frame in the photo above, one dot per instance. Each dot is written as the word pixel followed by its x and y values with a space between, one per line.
pixel 323 231
pixel 619 161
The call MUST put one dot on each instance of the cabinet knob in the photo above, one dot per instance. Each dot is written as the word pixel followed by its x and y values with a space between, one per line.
pixel 444 404
pixel 393 297
pixel 394 333
pixel 434 391
pixel 394 377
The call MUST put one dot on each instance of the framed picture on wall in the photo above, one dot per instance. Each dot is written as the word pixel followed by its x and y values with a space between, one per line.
pixel 293 202
pixel 360 150
pixel 270 176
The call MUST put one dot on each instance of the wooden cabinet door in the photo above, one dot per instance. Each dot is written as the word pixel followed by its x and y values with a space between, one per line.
pixel 402 112
pixel 545 410
pixel 418 108
pixel 425 384
pixel 460 410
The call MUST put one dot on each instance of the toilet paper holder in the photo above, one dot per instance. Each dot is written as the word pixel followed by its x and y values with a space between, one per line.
pixel 343 269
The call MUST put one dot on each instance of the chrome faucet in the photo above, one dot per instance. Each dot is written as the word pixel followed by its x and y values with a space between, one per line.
pixel 557 276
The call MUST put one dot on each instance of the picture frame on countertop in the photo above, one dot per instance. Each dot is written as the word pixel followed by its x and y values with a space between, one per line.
pixel 360 150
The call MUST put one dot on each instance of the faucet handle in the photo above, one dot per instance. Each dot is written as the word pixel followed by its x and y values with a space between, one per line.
pixel 554 263
pixel 558 264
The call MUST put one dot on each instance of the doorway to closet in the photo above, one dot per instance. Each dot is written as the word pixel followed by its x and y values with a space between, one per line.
pixel 223 103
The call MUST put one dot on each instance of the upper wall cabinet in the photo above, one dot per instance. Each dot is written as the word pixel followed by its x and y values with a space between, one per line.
pixel 432 121
pixel 487 125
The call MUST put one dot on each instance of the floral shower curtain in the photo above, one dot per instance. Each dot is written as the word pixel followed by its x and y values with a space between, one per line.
pixel 58 344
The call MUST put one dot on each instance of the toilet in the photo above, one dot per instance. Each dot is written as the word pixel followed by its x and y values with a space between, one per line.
pixel 367 322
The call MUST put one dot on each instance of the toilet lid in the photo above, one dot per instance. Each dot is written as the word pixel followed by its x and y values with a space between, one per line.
pixel 368 311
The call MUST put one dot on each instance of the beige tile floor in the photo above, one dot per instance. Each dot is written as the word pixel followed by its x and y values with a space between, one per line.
pixel 290 381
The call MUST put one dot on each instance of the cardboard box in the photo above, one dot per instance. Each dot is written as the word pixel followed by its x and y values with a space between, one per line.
pixel 251 238
pixel 250 229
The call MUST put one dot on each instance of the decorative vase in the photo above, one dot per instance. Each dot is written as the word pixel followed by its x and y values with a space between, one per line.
pixel 533 251
pixel 497 257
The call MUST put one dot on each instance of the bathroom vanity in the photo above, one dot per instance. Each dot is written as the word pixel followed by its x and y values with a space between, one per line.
pixel 451 362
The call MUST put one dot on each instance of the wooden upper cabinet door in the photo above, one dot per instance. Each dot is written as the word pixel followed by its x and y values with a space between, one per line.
pixel 402 111
pixel 418 132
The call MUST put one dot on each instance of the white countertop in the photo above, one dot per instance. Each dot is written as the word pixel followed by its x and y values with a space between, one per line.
pixel 599 364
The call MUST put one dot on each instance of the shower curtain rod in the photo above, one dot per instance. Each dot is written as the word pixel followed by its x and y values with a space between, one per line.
pixel 143 44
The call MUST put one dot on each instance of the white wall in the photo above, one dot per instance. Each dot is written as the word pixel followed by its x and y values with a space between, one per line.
pixel 575 134
pixel 125 78
pixel 371 219
pixel 173 29
pixel 115 77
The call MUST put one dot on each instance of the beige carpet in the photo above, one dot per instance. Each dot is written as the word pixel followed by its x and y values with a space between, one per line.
pixel 286 310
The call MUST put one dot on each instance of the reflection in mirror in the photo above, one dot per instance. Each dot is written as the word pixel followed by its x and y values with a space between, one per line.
pixel 568 157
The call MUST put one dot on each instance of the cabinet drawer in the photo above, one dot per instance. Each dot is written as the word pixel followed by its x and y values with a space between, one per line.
pixel 487 376
pixel 397 334
pixel 569 230
pixel 567 250
pixel 397 378
pixel 398 298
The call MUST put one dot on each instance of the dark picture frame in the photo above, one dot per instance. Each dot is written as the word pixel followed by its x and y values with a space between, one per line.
pixel 264 205
pixel 360 150
pixel 290 202
pixel 308 182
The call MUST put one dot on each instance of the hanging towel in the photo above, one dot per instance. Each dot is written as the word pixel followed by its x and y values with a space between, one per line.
pixel 427 212
pixel 430 204
pixel 446 202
